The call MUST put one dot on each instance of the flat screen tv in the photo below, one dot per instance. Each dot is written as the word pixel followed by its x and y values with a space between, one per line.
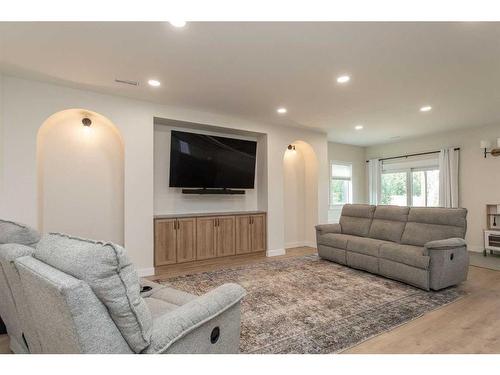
pixel 206 161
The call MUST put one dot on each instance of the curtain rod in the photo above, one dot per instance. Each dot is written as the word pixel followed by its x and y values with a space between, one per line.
pixel 410 155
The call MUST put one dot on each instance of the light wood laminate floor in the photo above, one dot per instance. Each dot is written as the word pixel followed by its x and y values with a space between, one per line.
pixel 469 325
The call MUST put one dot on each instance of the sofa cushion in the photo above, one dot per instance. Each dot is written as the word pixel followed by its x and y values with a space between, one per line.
pixel 332 253
pixel 12 232
pixel 406 254
pixel 362 261
pixel 336 240
pixel 405 273
pixel 159 307
pixel 356 219
pixel 437 215
pixel 388 223
pixel 112 277
pixel 431 224
pixel 362 245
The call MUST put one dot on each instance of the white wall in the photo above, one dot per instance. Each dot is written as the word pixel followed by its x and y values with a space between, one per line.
pixel 356 156
pixel 294 170
pixel 80 177
pixel 27 104
pixel 1 138
pixel 479 180
pixel 169 200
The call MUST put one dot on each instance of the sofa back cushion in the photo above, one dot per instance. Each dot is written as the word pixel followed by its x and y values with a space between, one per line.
pixel 68 316
pixel 356 219
pixel 12 232
pixel 430 224
pixel 111 276
pixel 389 223
pixel 9 253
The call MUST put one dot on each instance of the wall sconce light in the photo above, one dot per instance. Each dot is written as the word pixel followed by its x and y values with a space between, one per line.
pixel 86 121
pixel 291 147
pixel 485 145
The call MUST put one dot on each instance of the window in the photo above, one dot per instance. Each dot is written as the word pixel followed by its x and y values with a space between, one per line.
pixel 410 184
pixel 394 188
pixel 340 184
pixel 425 187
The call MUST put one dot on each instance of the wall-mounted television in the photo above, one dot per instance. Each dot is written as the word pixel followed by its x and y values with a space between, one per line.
pixel 211 162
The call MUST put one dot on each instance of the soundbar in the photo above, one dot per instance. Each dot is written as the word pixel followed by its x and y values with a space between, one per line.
pixel 213 191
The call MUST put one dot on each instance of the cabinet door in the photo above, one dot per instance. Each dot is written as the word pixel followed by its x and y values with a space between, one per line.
pixel 165 242
pixel 205 238
pixel 225 236
pixel 243 244
pixel 186 234
pixel 258 232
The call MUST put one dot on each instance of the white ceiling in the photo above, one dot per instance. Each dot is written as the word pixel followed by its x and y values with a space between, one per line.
pixel 250 69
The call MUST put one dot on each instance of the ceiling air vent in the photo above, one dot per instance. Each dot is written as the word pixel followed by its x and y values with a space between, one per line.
pixel 127 82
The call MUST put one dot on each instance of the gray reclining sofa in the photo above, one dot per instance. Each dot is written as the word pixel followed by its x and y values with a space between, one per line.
pixel 70 295
pixel 421 246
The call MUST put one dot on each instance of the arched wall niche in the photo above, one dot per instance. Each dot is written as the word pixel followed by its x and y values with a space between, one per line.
pixel 300 193
pixel 81 176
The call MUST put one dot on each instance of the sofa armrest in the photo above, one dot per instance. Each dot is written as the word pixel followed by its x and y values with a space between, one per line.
pixel 12 251
pixel 172 326
pixel 329 228
pixel 449 243
pixel 449 262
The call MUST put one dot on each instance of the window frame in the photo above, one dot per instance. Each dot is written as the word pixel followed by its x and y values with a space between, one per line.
pixel 409 181
pixel 331 179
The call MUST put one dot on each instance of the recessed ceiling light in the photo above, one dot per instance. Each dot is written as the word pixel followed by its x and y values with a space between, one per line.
pixel 281 110
pixel 154 83
pixel 343 79
pixel 358 127
pixel 425 108
pixel 178 23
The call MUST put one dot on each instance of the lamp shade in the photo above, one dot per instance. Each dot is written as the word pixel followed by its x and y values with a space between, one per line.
pixel 485 144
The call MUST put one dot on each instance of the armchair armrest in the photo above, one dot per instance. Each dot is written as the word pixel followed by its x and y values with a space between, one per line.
pixel 176 324
pixel 329 228
pixel 449 243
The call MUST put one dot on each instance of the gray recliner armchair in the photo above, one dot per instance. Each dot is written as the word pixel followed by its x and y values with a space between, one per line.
pixel 12 308
pixel 85 297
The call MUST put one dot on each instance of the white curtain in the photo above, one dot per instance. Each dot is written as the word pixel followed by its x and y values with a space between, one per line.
pixel 448 177
pixel 374 169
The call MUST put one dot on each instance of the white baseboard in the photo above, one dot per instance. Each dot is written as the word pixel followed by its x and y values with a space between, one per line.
pixel 291 245
pixel 275 252
pixel 475 248
pixel 310 244
pixel 144 272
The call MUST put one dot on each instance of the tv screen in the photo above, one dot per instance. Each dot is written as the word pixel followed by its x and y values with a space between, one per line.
pixel 206 161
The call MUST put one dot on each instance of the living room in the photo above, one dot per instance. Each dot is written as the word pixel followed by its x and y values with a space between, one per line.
pixel 291 187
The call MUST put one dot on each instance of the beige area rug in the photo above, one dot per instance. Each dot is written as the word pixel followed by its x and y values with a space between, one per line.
pixel 310 305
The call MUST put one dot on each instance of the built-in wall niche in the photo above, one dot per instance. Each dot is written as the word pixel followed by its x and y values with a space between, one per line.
pixel 493 216
pixel 80 159
pixel 169 200
pixel 300 194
